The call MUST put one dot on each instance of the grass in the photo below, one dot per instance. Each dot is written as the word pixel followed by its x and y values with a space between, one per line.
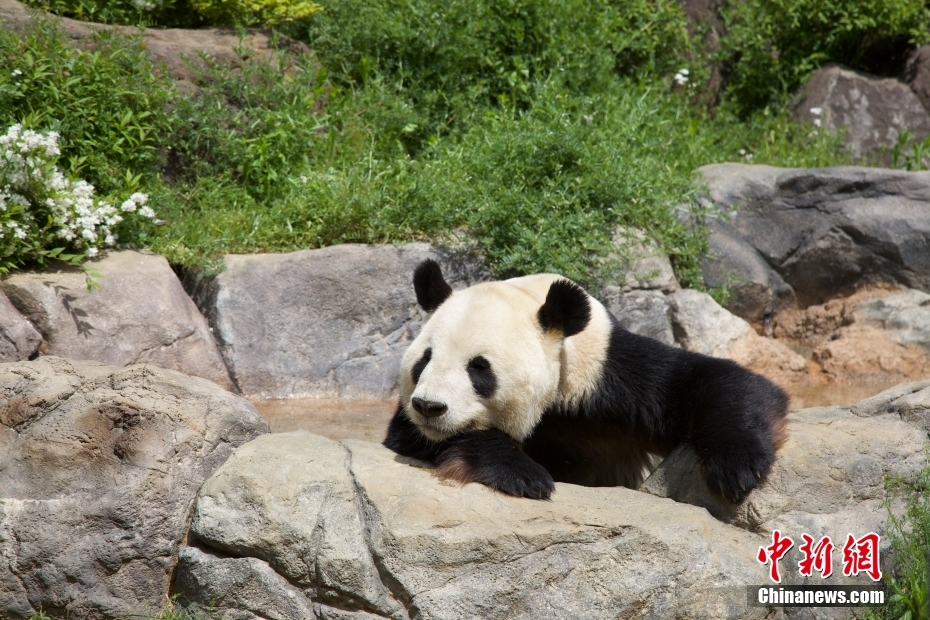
pixel 909 533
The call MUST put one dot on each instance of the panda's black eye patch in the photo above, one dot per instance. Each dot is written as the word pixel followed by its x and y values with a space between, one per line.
pixel 418 368
pixel 482 377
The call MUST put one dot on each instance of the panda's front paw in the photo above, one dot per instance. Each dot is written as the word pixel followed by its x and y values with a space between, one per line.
pixel 494 459
pixel 734 476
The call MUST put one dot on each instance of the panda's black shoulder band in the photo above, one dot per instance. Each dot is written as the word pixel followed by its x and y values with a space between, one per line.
pixel 430 286
pixel 567 308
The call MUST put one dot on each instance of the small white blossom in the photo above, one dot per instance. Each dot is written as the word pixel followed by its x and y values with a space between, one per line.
pixel 681 78
pixel 30 180
pixel 16 73
pixel 816 122
pixel 816 111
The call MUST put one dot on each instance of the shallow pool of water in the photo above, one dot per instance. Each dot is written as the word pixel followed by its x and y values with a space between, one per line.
pixel 833 394
pixel 367 418
pixel 355 418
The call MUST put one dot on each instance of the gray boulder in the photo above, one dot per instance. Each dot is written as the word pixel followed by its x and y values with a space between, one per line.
pixel 874 112
pixel 99 467
pixel 642 312
pixel 328 322
pixel 904 317
pixel 18 339
pixel 354 531
pixel 140 314
pixel 917 74
pixel 637 262
pixel 822 231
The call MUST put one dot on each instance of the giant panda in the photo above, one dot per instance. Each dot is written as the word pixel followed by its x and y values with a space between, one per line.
pixel 519 383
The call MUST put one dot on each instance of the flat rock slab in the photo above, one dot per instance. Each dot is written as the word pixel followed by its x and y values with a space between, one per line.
pixel 139 314
pixel 328 322
pixel 298 526
pixel 821 232
pixel 99 467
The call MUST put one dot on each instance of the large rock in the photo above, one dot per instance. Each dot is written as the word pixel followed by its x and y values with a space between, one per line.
pixel 700 324
pixel 873 112
pixel 822 231
pixel 642 312
pixel 298 526
pixel 917 74
pixel 637 262
pixel 328 322
pixel 829 478
pixel 18 339
pixel 139 314
pixel 99 467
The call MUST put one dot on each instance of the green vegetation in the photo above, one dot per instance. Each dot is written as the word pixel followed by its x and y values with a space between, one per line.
pixel 532 128
pixel 772 45
pixel 183 13
pixel 909 534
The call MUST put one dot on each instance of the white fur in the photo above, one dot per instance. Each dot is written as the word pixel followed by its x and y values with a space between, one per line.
pixel 534 368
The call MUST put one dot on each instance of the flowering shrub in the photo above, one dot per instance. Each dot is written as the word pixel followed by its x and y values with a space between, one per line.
pixel 42 213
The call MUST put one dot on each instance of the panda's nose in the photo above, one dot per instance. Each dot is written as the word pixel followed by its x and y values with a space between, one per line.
pixel 428 408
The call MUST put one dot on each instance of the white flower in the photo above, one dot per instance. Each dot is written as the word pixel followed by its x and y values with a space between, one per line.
pixel 91 252
pixel 816 111
pixel 16 73
pixel 681 78
pixel 816 122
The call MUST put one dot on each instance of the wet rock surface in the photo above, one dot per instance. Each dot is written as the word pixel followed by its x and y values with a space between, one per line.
pixel 99 467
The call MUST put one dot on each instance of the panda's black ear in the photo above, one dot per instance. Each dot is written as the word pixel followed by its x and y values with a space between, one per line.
pixel 430 286
pixel 566 309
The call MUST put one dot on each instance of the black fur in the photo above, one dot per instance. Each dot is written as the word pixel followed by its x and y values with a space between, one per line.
pixel 566 308
pixel 482 377
pixel 490 457
pixel 651 396
pixel 495 459
pixel 420 366
pixel 664 396
pixel 431 288
pixel 405 439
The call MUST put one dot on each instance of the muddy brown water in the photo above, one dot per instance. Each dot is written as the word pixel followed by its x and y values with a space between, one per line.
pixel 367 418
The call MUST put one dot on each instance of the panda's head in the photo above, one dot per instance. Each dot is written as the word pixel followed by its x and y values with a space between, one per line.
pixel 489 356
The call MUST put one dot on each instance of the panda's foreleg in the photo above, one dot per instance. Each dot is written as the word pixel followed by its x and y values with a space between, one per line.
pixel 735 425
pixel 496 460
pixel 404 439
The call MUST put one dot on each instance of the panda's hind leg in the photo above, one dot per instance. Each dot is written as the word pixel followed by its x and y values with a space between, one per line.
pixel 736 424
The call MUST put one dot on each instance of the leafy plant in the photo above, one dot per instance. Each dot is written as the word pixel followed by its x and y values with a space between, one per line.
pixel 106 101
